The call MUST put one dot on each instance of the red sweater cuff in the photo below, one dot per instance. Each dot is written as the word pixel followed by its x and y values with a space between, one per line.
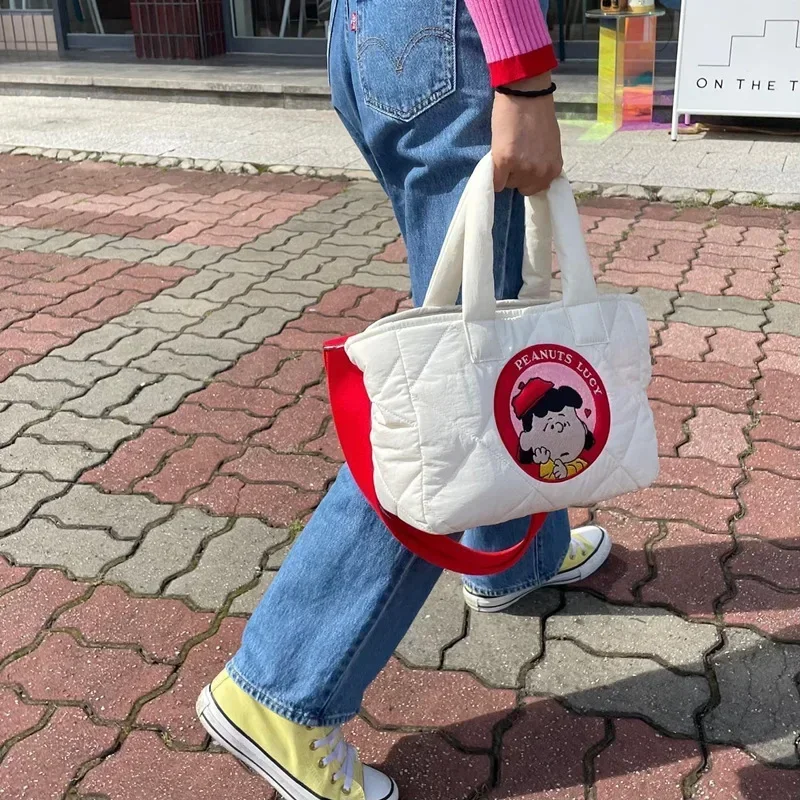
pixel 527 65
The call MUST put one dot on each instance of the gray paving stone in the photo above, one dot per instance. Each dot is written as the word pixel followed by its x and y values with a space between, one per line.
pixel 261 325
pixel 126 516
pixel 759 704
pixel 165 362
pixel 372 281
pixel 220 322
pixel 156 399
pixel 607 629
pixel 717 319
pixel 188 306
pixel 92 342
pixel 386 268
pixel 318 225
pixel 246 603
pixel 165 550
pixel 110 392
pixel 271 240
pixel 89 245
pixel 56 243
pixel 45 394
pixel 741 305
pixel 347 251
pixel 619 686
pixel 177 254
pixel 62 462
pixel 721 197
pixel 134 346
pixel 192 344
pixel 203 257
pixel 21 238
pixel 84 552
pixel 20 498
pixel 784 318
pixel 276 286
pixel 99 434
pixel 261 299
pixel 143 318
pixel 363 226
pixel 194 284
pixel 336 270
pixel 131 249
pixel 303 242
pixel 345 239
pixel 229 288
pixel 302 267
pixel 15 417
pixel 53 368
pixel 497 647
pixel 657 303
pixel 251 262
pixel 229 561
pixel 389 228
pixel 439 623
pixel 784 200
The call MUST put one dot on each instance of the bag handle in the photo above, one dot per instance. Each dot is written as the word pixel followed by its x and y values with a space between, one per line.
pixel 467 260
pixel 350 407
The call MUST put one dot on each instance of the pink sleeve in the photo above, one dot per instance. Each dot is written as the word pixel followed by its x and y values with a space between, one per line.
pixel 515 38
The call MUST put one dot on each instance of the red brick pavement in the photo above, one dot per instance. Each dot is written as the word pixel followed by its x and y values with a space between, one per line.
pixel 97 685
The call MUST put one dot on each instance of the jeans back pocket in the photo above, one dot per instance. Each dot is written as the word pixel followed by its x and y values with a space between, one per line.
pixel 406 52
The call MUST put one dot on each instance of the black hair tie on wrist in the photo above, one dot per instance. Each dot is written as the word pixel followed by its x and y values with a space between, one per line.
pixel 524 93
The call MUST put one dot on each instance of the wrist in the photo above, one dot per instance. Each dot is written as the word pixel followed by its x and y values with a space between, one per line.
pixel 535 84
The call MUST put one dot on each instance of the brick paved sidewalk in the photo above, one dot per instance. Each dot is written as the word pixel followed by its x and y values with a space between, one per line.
pixel 162 410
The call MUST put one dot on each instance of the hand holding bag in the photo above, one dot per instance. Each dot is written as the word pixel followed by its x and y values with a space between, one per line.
pixel 456 417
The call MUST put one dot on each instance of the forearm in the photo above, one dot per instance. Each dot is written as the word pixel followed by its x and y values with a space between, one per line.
pixel 515 38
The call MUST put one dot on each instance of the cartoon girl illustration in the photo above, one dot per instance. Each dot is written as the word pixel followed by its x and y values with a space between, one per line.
pixel 553 436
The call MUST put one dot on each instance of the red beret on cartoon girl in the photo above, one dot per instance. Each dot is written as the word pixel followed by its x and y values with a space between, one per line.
pixel 553 436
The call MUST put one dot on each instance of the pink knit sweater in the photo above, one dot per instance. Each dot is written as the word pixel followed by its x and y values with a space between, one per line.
pixel 515 38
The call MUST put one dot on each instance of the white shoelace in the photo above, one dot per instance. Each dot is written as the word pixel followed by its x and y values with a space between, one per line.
pixel 342 754
pixel 574 546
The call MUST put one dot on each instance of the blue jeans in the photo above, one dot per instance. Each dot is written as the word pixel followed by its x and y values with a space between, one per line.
pixel 348 591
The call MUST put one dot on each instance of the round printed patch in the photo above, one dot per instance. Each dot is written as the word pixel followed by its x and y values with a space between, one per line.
pixel 552 412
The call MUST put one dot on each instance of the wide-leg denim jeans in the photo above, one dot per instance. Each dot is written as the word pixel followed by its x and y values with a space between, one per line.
pixel 410 82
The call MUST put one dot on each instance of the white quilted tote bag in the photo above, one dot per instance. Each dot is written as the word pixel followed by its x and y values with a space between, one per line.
pixel 493 411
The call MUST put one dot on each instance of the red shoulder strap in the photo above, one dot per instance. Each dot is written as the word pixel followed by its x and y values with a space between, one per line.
pixel 350 406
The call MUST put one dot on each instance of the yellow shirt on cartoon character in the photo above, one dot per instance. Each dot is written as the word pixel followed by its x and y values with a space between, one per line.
pixel 550 472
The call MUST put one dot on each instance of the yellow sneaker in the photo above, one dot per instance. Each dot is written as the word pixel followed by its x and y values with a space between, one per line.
pixel 588 550
pixel 302 763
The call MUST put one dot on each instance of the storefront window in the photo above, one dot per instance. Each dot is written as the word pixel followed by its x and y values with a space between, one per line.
pixel 98 16
pixel 26 5
pixel 282 18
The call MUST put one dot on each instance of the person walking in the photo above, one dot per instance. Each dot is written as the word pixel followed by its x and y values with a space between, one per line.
pixel 423 87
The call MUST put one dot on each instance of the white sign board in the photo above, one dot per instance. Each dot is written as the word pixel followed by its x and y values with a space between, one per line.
pixel 738 58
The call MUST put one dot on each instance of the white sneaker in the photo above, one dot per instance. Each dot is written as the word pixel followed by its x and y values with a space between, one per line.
pixel 588 551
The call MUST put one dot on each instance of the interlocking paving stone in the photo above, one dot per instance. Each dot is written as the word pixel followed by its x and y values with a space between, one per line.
pixel 654 633
pixel 439 623
pixel 736 774
pixel 41 765
pixel 169 323
pixel 784 318
pixel 16 717
pixel 43 394
pixel 661 762
pixel 427 698
pixel 592 684
pixel 192 344
pixel 160 627
pixel 16 417
pixel 166 362
pixel 66 426
pixel 61 462
pixel 497 647
pixel 53 368
pixel 228 562
pixel 133 346
pixel 83 551
pixel 262 324
pixel 144 768
pixel 18 499
pixel 92 342
pixel 156 398
pixel 110 392
pixel 107 680
pixel 222 321
pixel 125 516
pixel 246 603
pixel 165 550
pixel 759 704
